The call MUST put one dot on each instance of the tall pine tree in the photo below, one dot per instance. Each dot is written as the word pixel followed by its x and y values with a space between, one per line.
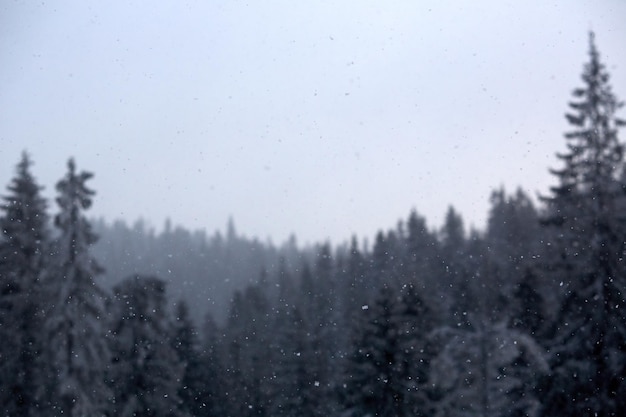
pixel 75 328
pixel 586 214
pixel 23 225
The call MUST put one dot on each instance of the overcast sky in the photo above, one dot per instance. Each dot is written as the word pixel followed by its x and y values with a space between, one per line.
pixel 321 118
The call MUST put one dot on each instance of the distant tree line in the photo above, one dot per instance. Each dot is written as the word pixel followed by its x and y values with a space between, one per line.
pixel 203 269
pixel 525 318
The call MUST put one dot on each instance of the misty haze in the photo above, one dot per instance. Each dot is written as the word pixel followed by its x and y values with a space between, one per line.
pixel 344 210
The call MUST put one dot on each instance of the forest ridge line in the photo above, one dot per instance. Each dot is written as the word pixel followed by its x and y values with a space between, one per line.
pixel 524 318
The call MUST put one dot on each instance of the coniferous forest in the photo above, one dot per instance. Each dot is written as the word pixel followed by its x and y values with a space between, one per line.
pixel 524 318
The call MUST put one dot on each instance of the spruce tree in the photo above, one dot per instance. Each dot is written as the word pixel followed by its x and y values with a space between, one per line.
pixel 374 381
pixel 421 249
pixel 381 261
pixel 310 387
pixel 511 236
pixel 23 226
pixel 213 354
pixel 454 285
pixel 355 281
pixel 146 372
pixel 320 313
pixel 78 349
pixel 290 393
pixel 186 343
pixel 585 213
pixel 24 229
pixel 386 373
pixel 528 311
pixel 415 322
pixel 235 387
pixel 248 366
pixel 487 369
pixel 512 230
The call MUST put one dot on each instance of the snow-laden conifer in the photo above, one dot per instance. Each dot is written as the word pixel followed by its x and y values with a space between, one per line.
pixel 146 372
pixel 24 229
pixel 486 369
pixel 75 327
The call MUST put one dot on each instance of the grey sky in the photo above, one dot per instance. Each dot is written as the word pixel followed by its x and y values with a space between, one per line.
pixel 322 118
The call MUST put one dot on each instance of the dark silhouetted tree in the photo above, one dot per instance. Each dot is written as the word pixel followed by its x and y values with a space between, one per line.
pixel 453 278
pixel 486 369
pixel 291 382
pixel 248 367
pixel 146 372
pixel 75 328
pixel 585 214
pixel 194 383
pixel 387 371
pixel 215 381
pixel 25 238
pixel 374 380
pixel 513 231
pixel 421 253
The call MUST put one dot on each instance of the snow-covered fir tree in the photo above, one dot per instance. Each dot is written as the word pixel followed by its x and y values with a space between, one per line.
pixel 146 372
pixel 486 370
pixel 75 325
pixel 25 237
pixel 386 372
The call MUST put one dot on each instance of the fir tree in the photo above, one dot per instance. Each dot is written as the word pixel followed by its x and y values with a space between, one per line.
pixel 22 262
pixel 374 384
pixel 145 370
pixel 386 375
pixel 421 247
pixel 286 286
pixel 381 260
pixel 454 283
pixel 487 370
pixel 311 390
pixel 511 236
pixel 24 227
pixel 79 352
pixel 248 348
pixel 235 387
pixel 320 313
pixel 192 389
pixel 291 382
pixel 512 229
pixel 415 322
pixel 355 281
pixel 585 214
pixel 528 305
pixel 215 379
